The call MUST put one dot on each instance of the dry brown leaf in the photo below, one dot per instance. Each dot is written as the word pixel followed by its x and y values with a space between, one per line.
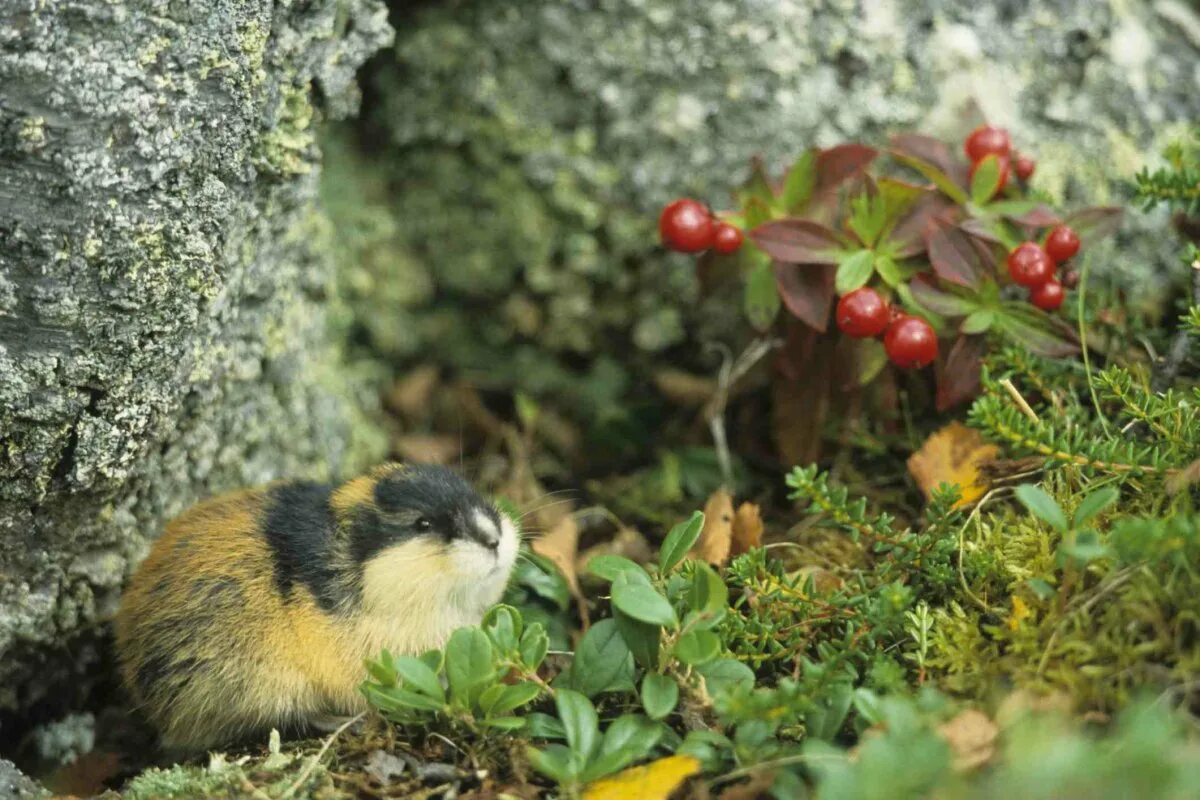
pixel 972 738
pixel 412 395
pixel 427 448
pixel 626 542
pixel 716 537
pixel 657 780
pixel 1184 478
pixel 747 528
pixel 954 455
pixel 684 388
pixel 86 776
pixel 560 544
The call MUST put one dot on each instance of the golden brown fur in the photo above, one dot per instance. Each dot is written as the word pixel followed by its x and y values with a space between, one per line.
pixel 212 650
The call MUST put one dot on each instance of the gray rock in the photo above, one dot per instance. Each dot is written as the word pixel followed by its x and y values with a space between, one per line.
pixel 164 286
pixel 523 151
pixel 14 785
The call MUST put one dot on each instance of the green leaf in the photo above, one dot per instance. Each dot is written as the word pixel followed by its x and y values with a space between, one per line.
pixel 868 216
pixel 825 720
pixel 708 594
pixel 660 693
pixel 1086 547
pixel 381 670
pixel 888 269
pixel 535 643
pixel 1041 587
pixel 947 299
pixel 470 665
pixel 986 180
pixel 580 722
pixel 417 676
pixel 800 182
pixel 627 739
pixel 854 270
pixel 503 626
pixel 508 697
pixel 554 762
pixel 679 542
pixel 697 647
pixel 756 211
pixel 1035 330
pixel 602 662
pixel 642 638
pixel 761 296
pixel 609 567
pixel 726 674
pixel 394 697
pixel 1094 503
pixel 542 577
pixel 642 601
pixel 504 723
pixel 978 321
pixel 1042 506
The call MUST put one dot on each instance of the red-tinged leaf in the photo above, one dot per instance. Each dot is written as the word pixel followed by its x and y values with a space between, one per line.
pixel 949 184
pixel 928 149
pixel 807 291
pixel 980 230
pixel 839 163
pixel 907 238
pixel 945 302
pixel 798 241
pixel 958 377
pixel 953 255
pixel 1094 223
pixel 1037 331
pixel 1030 216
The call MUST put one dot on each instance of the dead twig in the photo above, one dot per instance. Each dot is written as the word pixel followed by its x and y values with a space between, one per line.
pixel 316 759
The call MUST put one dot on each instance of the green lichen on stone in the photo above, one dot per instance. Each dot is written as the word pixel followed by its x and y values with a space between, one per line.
pixel 523 152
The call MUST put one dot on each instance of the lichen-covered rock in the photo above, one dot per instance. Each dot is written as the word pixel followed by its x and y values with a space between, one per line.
pixel 17 786
pixel 519 152
pixel 163 286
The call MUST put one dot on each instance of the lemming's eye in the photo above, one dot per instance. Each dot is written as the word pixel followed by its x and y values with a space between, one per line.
pixel 422 524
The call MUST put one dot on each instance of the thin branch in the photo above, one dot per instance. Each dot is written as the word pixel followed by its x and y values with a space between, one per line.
pixel 312 763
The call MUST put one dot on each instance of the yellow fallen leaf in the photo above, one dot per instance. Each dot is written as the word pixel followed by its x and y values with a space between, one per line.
pixel 716 537
pixel 654 781
pixel 954 455
pixel 972 738
pixel 747 528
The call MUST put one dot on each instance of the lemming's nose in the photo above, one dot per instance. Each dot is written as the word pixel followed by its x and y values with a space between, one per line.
pixel 483 529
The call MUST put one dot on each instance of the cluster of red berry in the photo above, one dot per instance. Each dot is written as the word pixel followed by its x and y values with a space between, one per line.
pixel 688 226
pixel 988 140
pixel 1033 265
pixel 910 341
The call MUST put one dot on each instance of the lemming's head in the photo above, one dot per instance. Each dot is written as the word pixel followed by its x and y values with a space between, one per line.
pixel 408 525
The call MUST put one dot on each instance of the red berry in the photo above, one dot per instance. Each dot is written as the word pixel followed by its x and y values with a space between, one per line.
pixel 1024 167
pixel 1002 162
pixel 727 238
pixel 685 225
pixel 911 343
pixel 1048 296
pixel 1070 279
pixel 1062 243
pixel 862 313
pixel 986 140
pixel 1029 265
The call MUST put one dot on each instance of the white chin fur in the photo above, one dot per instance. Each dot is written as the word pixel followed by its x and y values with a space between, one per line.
pixel 439 588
